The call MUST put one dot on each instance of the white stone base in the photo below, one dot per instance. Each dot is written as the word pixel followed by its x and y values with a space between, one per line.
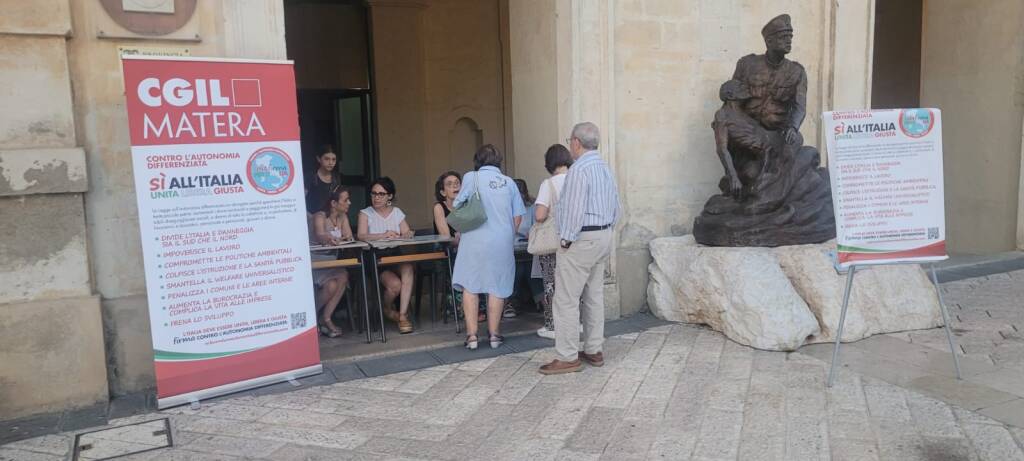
pixel 781 298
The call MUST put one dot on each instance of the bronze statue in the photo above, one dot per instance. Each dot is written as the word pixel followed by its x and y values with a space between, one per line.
pixel 774 191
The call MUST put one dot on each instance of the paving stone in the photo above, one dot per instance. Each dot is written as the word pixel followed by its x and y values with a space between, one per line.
pixel 518 385
pixel 11 454
pixel 593 433
pixel 619 390
pixel 301 418
pixel 535 449
pixel 226 445
pixel 232 411
pixel 480 424
pixel 727 394
pixel 680 392
pixel 1011 413
pixel 541 399
pixel 850 424
pixel 967 416
pixel 376 397
pixel 887 401
pixel 847 394
pixel 216 426
pixel 423 380
pixel 329 438
pixel 384 446
pixel 478 364
pixel 904 448
pixel 54 444
pixel 960 392
pixel 932 418
pixel 805 402
pixel 306 453
pixel 561 422
pixel 408 430
pixel 759 446
pixel 942 448
pixel 719 435
pixel 631 440
pixel 291 401
pixel 806 438
pixel 570 455
pixel 676 439
pixel 853 450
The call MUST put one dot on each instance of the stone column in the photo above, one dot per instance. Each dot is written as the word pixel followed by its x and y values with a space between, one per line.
pixel 853 32
pixel 563 73
pixel 51 334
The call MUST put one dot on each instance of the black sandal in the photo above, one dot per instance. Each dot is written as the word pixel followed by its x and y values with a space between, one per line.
pixel 496 341
pixel 471 344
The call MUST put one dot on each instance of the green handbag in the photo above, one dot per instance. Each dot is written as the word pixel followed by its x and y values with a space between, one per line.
pixel 470 214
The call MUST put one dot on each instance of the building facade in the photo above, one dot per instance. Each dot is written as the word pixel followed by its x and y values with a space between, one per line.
pixel 426 82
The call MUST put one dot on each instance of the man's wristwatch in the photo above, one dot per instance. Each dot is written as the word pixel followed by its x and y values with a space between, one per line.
pixel 566 244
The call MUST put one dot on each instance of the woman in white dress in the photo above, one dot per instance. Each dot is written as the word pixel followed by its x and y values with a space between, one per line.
pixel 381 221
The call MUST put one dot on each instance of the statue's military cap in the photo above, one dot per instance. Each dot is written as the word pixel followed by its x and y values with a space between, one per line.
pixel 780 23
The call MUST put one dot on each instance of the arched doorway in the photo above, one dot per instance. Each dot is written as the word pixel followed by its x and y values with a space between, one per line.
pixel 464 139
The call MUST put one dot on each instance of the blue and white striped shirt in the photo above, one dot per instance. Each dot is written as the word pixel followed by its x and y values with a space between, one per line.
pixel 589 197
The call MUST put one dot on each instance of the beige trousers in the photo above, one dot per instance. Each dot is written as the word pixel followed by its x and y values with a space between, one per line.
pixel 579 294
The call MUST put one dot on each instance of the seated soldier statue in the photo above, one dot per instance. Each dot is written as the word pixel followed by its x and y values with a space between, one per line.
pixel 774 191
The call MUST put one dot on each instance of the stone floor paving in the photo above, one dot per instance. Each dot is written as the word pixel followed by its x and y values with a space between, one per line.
pixel 987 318
pixel 672 392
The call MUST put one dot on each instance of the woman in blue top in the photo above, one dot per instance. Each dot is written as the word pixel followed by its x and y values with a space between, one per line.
pixel 485 262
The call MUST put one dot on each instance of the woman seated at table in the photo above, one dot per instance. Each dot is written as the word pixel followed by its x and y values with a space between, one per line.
pixel 446 189
pixel 331 227
pixel 381 221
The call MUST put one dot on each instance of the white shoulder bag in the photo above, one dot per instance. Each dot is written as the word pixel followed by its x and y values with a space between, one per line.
pixel 544 238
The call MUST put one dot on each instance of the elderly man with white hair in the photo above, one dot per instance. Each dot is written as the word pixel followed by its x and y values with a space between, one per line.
pixel 585 215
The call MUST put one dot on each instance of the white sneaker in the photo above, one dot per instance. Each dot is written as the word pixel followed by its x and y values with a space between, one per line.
pixel 544 332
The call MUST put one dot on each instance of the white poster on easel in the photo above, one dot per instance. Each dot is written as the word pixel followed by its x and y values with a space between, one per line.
pixel 887 187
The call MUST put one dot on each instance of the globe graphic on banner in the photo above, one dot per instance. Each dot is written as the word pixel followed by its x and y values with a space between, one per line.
pixel 270 170
pixel 916 122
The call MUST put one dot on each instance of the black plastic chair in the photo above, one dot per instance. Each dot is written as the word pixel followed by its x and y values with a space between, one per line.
pixel 425 270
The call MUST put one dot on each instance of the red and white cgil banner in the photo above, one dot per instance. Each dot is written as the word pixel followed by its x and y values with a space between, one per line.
pixel 216 157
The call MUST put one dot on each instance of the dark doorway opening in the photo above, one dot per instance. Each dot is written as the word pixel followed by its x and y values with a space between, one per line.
pixel 896 73
pixel 330 44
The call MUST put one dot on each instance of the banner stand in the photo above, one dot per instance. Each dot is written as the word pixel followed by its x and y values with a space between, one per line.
pixel 846 303
pixel 195 397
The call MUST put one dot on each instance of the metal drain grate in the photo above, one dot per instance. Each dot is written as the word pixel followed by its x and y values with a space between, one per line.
pixel 119 441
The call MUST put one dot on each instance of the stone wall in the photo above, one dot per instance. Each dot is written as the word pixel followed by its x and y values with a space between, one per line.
pixel 670 58
pixel 972 68
pixel 648 72
pixel 50 328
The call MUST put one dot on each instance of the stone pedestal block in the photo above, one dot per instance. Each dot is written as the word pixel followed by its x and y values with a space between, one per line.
pixel 781 298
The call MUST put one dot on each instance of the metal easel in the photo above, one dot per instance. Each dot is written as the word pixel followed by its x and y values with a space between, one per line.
pixel 846 303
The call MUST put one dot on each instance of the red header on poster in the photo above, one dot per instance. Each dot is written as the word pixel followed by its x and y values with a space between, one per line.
pixel 199 102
